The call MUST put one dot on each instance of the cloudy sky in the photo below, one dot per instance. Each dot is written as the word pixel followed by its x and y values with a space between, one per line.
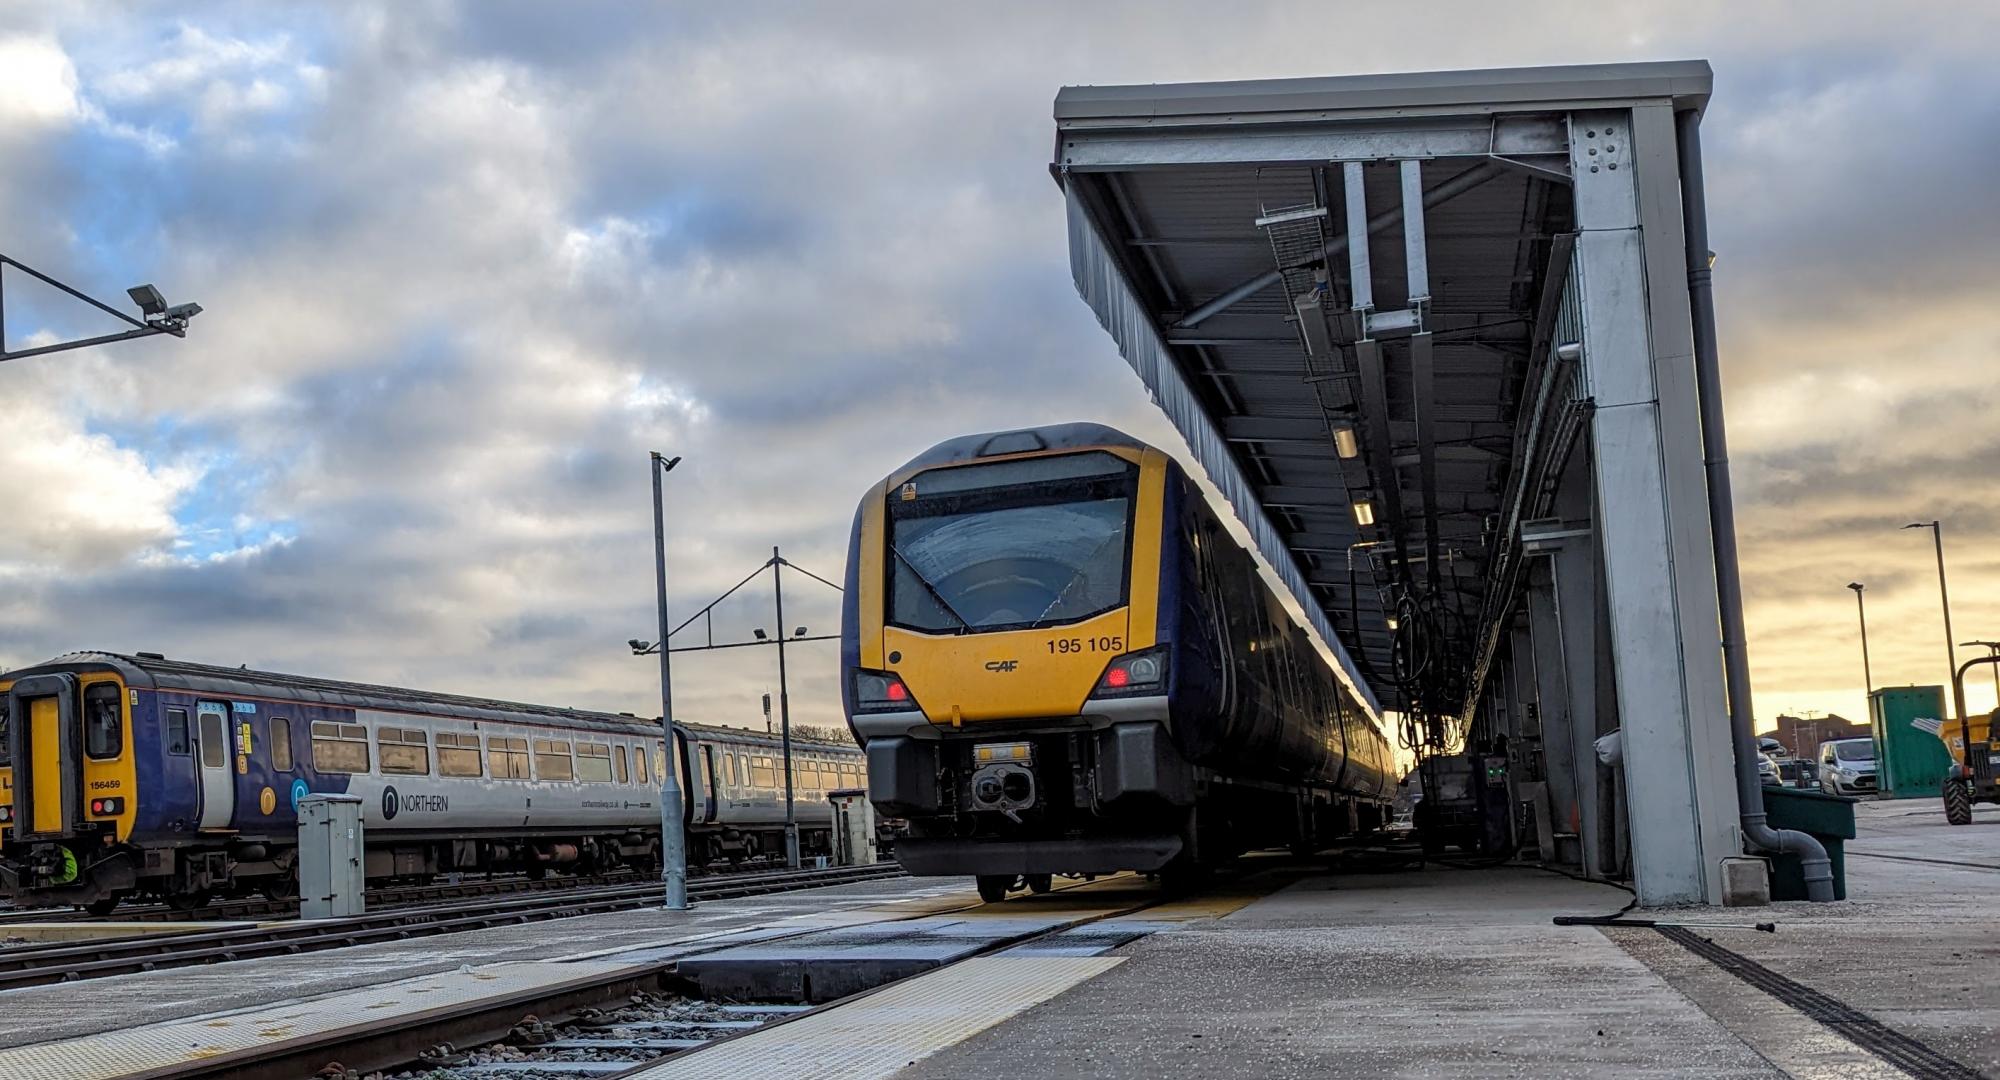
pixel 465 263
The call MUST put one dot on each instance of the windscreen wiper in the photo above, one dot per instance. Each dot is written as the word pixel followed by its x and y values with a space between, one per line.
pixel 1075 577
pixel 930 588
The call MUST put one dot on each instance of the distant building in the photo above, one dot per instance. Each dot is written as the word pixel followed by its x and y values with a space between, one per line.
pixel 1802 736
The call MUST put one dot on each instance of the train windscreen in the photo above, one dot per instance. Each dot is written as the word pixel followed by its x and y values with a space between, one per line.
pixel 1011 544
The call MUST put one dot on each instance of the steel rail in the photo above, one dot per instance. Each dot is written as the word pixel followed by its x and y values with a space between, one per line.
pixel 31 965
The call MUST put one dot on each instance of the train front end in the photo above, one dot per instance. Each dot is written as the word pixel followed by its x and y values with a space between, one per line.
pixel 1003 662
pixel 68 785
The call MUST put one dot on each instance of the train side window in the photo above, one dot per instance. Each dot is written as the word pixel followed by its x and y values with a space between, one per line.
pixel 763 773
pixel 624 777
pixel 593 763
pixel 177 732
pixel 458 754
pixel 552 761
pixel 639 764
pixel 281 744
pixel 339 747
pixel 729 768
pixel 103 721
pixel 509 757
pixel 660 761
pixel 403 750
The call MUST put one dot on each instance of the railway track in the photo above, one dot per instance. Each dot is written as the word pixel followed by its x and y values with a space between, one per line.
pixel 35 964
pixel 611 1025
pixel 388 896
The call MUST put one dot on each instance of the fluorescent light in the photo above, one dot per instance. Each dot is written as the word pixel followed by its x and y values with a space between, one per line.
pixel 1344 442
pixel 1364 512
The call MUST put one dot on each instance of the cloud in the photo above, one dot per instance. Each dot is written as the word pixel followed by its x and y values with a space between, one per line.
pixel 465 264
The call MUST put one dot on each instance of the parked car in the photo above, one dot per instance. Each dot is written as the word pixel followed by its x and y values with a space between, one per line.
pixel 1767 771
pixel 1847 767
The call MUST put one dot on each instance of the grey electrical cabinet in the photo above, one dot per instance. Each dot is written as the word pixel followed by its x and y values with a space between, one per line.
pixel 853 828
pixel 331 882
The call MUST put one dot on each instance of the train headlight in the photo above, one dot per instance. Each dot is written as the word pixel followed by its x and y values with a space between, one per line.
pixel 107 807
pixel 881 691
pixel 6 814
pixel 1134 673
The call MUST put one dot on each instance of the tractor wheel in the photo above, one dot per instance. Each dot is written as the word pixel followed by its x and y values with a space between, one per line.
pixel 1958 802
pixel 993 888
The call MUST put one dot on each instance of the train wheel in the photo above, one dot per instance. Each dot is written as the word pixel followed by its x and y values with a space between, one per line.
pixel 993 888
pixel 1040 883
pixel 188 901
pixel 281 888
pixel 1957 802
pixel 103 906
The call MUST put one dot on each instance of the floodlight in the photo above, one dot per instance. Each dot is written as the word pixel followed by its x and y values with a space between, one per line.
pixel 1364 512
pixel 1344 442
pixel 150 302
pixel 799 632
pixel 639 646
pixel 1856 586
pixel 759 633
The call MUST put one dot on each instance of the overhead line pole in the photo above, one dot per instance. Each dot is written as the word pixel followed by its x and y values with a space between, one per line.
pixel 784 710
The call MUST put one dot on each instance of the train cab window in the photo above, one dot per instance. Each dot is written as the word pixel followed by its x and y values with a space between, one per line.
pixel 1007 544
pixel 281 744
pixel 6 755
pixel 403 750
pixel 177 739
pixel 639 764
pixel 552 761
pixel 103 721
pixel 340 747
pixel 458 753
pixel 509 758
pixel 593 763
pixel 624 777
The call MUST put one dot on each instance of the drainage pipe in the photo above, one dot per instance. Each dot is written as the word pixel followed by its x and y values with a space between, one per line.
pixel 1722 528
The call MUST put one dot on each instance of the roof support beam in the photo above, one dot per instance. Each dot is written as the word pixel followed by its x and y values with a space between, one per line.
pixel 1236 294
pixel 1516 136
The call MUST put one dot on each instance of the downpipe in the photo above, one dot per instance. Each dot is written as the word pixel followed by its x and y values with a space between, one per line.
pixel 1817 868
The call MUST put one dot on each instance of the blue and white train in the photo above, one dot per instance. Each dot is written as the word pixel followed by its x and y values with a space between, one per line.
pixel 136 775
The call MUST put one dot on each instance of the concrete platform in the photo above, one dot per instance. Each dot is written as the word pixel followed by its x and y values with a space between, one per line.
pixel 1458 973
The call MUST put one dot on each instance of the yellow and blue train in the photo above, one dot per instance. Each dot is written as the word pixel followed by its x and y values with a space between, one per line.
pixel 1059 661
pixel 142 776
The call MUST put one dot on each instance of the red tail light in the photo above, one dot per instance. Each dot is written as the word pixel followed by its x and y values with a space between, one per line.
pixel 1143 672
pixel 881 691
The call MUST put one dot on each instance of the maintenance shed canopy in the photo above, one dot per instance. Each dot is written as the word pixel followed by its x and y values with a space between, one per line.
pixel 1349 295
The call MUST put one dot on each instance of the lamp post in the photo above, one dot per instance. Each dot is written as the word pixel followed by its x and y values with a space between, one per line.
pixel 673 843
pixel 1944 597
pixel 1867 678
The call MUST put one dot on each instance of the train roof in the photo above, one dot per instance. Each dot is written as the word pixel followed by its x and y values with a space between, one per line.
pixel 153 671
pixel 1075 436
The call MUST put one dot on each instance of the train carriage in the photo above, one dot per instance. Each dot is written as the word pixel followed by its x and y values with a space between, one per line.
pixel 136 774
pixel 1059 660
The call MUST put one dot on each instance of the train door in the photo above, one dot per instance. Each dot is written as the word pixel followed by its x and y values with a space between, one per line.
pixel 218 784
pixel 44 755
pixel 708 793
